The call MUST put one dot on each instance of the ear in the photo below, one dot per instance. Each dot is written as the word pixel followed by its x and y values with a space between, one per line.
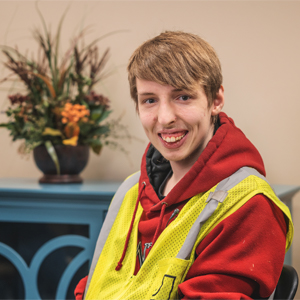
pixel 218 102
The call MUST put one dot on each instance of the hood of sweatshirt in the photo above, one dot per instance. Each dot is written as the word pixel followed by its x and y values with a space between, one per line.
pixel 226 152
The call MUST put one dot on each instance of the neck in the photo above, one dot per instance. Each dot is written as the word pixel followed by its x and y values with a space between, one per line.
pixel 179 171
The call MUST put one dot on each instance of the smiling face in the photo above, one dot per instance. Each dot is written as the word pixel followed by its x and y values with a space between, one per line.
pixel 177 122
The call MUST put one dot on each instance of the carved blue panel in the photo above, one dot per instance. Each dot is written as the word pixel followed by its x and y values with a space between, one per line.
pixel 47 236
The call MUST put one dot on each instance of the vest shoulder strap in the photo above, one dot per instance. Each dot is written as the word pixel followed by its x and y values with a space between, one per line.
pixel 219 195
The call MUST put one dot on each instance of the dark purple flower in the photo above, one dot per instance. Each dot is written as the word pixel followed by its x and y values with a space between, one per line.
pixel 18 99
pixel 97 99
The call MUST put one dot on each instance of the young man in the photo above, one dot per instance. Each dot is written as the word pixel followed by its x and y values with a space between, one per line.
pixel 199 221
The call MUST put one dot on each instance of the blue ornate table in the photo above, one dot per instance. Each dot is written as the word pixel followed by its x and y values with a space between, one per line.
pixel 48 234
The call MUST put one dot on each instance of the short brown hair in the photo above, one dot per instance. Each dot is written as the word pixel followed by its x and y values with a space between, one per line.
pixel 182 60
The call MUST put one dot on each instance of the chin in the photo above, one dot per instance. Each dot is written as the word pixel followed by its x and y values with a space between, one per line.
pixel 174 158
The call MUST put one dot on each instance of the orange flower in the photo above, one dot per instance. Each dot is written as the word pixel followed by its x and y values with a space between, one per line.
pixel 71 130
pixel 68 106
pixel 74 113
pixel 64 120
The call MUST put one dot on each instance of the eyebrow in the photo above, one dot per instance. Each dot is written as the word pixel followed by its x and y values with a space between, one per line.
pixel 146 94
pixel 150 93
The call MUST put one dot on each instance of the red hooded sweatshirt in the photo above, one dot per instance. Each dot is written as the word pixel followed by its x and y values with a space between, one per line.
pixel 242 257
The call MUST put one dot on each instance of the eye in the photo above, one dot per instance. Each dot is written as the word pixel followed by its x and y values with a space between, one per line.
pixel 149 101
pixel 184 97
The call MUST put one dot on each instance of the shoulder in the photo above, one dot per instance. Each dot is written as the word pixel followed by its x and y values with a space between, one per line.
pixel 248 247
pixel 259 221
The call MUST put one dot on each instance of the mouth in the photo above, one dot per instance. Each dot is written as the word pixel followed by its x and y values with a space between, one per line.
pixel 173 137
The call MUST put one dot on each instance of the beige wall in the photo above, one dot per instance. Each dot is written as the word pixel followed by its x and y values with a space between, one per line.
pixel 259 46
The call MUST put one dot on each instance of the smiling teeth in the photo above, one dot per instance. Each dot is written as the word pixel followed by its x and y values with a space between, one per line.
pixel 173 139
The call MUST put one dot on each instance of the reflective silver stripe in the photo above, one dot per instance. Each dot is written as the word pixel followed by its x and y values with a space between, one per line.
pixel 231 181
pixel 272 295
pixel 109 220
pixel 191 238
pixel 213 199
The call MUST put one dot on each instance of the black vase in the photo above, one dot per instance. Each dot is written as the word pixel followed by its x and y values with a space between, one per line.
pixel 72 161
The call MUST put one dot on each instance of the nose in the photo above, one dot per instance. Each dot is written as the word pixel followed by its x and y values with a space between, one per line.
pixel 166 113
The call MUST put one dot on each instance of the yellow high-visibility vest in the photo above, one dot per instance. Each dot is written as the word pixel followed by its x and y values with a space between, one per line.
pixel 174 251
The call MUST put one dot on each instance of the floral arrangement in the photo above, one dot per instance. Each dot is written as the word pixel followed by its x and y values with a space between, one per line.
pixel 59 104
